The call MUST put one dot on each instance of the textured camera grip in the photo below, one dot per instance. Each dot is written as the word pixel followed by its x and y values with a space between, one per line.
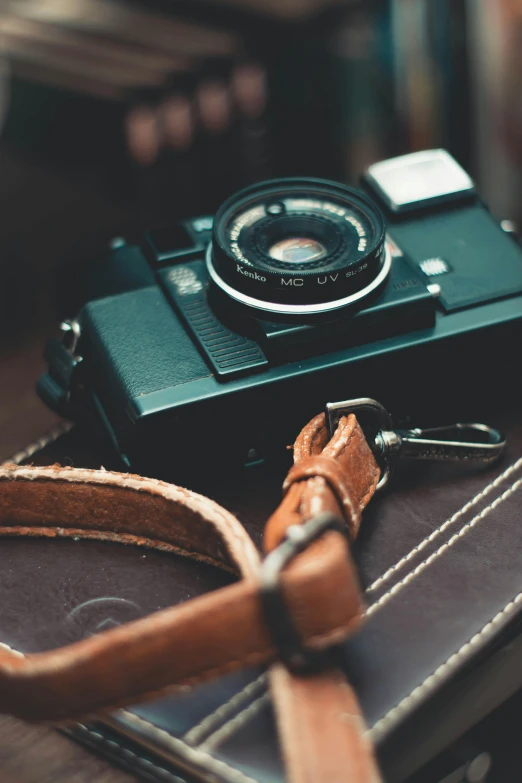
pixel 137 345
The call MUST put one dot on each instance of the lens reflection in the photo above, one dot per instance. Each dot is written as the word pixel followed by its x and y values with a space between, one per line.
pixel 297 250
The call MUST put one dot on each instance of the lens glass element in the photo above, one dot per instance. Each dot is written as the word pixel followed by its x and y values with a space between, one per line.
pixel 297 250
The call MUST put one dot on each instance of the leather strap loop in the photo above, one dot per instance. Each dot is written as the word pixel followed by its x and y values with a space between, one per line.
pixel 217 632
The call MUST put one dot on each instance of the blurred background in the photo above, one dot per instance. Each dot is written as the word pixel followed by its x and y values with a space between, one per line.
pixel 118 115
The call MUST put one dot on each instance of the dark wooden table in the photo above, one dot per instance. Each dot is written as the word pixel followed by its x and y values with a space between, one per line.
pixel 32 754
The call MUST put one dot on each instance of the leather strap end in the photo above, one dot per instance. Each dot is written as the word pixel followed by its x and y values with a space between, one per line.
pixel 323 732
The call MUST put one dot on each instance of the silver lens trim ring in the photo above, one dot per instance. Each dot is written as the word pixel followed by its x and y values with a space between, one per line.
pixel 323 307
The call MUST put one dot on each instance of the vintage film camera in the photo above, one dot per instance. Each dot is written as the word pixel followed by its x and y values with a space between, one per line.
pixel 298 292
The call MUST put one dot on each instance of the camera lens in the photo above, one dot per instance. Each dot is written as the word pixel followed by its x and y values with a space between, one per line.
pixel 298 247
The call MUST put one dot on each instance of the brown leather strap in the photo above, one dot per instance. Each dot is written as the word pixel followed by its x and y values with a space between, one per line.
pixel 323 732
pixel 217 632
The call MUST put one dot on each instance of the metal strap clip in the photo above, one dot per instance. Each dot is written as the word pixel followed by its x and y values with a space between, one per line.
pixel 458 442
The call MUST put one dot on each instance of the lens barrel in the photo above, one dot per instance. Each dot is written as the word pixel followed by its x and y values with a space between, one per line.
pixel 298 247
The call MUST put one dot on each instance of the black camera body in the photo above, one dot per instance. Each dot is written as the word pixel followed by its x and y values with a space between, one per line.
pixel 218 338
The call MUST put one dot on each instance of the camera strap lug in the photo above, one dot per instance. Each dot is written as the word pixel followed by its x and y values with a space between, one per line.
pixel 62 359
pixel 458 443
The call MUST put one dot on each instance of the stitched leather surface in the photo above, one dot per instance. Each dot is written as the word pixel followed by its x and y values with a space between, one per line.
pixel 423 628
pixel 419 637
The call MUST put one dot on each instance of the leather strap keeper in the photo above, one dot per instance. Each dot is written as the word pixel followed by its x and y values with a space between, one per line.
pixel 339 484
pixel 319 721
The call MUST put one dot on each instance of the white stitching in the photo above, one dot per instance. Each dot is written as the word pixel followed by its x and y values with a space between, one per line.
pixel 41 443
pixel 440 551
pixel 162 772
pixel 233 533
pixel 235 775
pixel 229 728
pixel 452 662
pixel 196 733
pixel 384 577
